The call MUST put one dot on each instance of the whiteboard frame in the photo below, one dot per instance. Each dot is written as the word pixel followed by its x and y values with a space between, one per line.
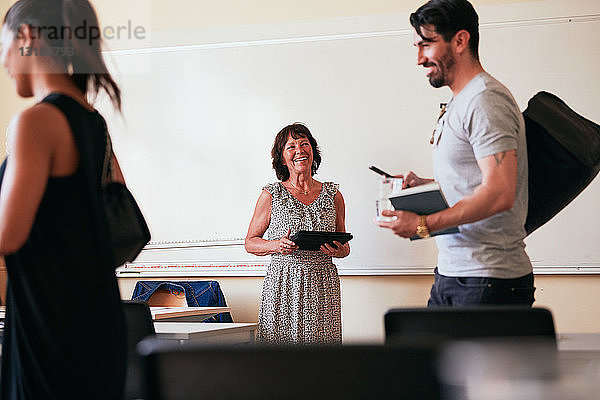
pixel 179 265
pixel 346 36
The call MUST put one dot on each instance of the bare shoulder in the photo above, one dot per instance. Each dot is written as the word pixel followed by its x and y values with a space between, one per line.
pixel 262 213
pixel 41 123
pixel 265 196
pixel 338 199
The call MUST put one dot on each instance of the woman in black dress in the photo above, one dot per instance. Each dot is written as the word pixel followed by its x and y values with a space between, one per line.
pixel 65 334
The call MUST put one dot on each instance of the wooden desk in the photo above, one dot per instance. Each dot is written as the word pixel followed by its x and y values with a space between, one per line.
pixel 207 332
pixel 185 314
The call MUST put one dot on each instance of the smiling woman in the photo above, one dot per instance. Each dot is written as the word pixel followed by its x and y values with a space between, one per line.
pixel 301 292
pixel 286 142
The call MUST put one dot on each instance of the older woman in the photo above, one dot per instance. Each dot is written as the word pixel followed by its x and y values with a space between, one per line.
pixel 301 292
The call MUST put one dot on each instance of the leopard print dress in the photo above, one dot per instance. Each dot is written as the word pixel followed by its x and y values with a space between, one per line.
pixel 300 301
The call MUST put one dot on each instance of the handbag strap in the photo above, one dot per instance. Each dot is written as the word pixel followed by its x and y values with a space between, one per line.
pixel 106 168
pixel 70 107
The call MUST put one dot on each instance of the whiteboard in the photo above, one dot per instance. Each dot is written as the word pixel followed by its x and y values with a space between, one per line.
pixel 199 122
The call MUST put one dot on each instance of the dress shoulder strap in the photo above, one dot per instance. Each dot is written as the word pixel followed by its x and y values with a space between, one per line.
pixel 275 189
pixel 330 188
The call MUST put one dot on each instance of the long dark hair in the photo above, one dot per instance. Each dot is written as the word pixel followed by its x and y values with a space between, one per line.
pixel 296 130
pixel 79 56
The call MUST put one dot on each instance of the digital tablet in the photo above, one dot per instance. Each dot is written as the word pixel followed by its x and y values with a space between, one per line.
pixel 313 240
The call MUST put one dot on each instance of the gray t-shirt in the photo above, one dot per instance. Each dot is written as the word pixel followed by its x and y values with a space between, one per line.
pixel 482 120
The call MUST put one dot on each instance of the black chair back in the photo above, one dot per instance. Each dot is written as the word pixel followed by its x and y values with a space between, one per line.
pixel 139 326
pixel 307 372
pixel 448 323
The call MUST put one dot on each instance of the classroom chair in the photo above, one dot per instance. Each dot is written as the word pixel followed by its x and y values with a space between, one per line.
pixel 192 293
pixel 293 373
pixel 449 323
pixel 139 326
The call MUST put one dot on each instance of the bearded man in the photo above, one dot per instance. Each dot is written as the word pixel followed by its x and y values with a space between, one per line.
pixel 480 163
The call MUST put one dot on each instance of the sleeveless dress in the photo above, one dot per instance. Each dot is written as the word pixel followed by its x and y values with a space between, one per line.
pixel 300 301
pixel 65 333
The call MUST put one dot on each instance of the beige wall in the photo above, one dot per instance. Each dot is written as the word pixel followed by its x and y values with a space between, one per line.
pixel 10 104
pixel 573 300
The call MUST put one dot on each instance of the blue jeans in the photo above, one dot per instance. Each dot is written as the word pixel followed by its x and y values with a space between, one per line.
pixel 197 294
pixel 471 291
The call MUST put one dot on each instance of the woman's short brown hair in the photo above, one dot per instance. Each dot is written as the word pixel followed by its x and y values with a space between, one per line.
pixel 295 130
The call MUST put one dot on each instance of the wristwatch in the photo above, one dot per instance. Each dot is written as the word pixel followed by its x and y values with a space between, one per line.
pixel 422 228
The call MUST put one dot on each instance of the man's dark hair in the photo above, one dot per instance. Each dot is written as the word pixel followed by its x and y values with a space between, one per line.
pixel 296 131
pixel 448 17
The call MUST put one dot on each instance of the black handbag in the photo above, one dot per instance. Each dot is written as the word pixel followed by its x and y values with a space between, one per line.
pixel 563 149
pixel 127 227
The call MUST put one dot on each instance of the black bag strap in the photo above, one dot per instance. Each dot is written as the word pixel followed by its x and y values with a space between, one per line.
pixel 107 164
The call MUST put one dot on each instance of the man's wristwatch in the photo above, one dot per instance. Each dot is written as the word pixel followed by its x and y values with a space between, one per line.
pixel 422 228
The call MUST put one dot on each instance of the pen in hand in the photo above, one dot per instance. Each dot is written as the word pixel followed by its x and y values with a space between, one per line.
pixel 380 172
